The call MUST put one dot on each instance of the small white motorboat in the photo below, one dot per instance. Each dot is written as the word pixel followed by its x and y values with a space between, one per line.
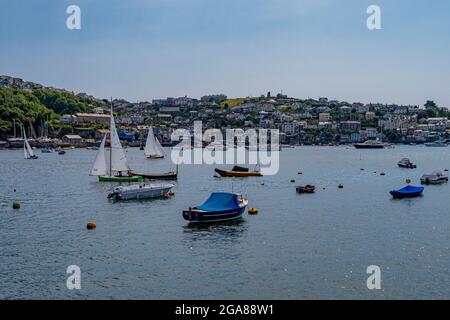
pixel 437 177
pixel 406 163
pixel 141 191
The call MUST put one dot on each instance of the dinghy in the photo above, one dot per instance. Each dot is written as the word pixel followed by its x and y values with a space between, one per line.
pixel 238 171
pixel 117 160
pixel 153 149
pixel 27 150
pixel 219 207
pixel 407 192
pixel 306 189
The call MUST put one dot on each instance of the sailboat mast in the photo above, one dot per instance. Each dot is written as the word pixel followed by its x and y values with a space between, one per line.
pixel 110 140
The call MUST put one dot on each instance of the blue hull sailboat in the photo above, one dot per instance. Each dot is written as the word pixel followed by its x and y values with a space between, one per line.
pixel 219 207
pixel 407 192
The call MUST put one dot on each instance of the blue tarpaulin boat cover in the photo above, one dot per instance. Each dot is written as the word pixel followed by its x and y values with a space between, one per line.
pixel 410 190
pixel 220 202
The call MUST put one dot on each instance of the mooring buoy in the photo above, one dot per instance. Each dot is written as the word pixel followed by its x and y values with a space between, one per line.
pixel 16 205
pixel 252 211
pixel 91 225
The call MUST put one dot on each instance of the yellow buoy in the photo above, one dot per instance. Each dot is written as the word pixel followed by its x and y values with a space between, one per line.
pixel 252 211
pixel 408 180
pixel 91 225
pixel 16 205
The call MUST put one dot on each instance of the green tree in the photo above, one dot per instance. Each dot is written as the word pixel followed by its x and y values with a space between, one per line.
pixel 430 104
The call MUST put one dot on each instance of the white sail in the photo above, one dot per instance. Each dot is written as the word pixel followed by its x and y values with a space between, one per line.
pixel 27 151
pixel 99 168
pixel 152 147
pixel 118 158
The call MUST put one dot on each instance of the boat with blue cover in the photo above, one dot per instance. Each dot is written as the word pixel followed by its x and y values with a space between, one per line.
pixel 407 192
pixel 220 206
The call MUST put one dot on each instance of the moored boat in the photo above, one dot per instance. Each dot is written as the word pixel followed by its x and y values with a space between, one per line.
pixel 140 191
pixel 407 192
pixel 437 177
pixel 219 207
pixel 370 144
pixel 238 171
pixel 120 179
pixel 406 163
pixel 119 171
pixel 157 176
pixel 153 149
pixel 306 189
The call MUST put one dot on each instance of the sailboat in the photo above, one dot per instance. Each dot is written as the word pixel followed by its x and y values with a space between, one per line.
pixel 117 160
pixel 99 168
pixel 27 151
pixel 153 149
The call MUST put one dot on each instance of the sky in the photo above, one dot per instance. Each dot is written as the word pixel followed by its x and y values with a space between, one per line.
pixel 145 49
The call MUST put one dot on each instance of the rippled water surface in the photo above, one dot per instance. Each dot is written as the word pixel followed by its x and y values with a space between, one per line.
pixel 297 247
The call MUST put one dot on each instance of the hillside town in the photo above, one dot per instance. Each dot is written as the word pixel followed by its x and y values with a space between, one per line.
pixel 320 121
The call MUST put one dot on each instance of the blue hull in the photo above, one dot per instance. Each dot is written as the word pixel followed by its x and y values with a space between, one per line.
pixel 407 192
pixel 212 216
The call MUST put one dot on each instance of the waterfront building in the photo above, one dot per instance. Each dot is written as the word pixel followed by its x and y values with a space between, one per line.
pixel 73 139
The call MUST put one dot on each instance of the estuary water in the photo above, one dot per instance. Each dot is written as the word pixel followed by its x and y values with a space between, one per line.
pixel 296 247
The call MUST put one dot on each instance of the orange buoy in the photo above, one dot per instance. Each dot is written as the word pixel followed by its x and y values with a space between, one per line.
pixel 252 211
pixel 91 225
pixel 170 193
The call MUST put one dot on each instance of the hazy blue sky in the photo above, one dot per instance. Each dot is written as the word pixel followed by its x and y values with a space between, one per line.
pixel 141 50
